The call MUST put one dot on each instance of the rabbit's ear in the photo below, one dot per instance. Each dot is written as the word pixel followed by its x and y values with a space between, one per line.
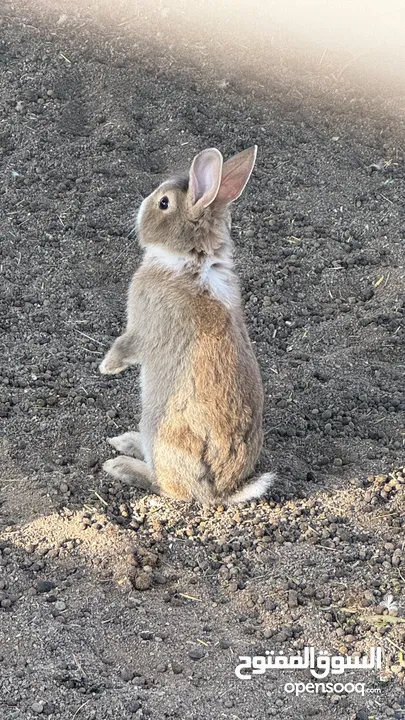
pixel 235 174
pixel 205 177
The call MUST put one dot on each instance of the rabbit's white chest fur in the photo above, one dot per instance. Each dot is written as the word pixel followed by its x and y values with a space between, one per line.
pixel 215 274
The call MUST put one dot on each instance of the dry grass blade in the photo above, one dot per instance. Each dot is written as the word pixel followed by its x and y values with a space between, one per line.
pixel 80 708
pixel 190 597
pixel 100 498
pixel 383 620
pixel 90 338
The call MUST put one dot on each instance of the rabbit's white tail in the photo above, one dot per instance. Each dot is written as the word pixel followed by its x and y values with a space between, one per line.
pixel 252 490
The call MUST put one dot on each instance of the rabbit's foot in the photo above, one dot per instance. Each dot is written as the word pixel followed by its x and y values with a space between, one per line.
pixel 131 472
pixel 130 443
pixel 111 365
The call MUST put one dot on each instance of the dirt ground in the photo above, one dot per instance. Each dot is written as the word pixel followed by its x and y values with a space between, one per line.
pixel 115 605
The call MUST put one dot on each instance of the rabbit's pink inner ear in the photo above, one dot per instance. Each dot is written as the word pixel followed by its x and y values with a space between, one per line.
pixel 235 175
pixel 205 177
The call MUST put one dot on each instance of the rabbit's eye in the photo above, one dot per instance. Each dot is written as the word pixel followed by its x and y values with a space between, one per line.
pixel 164 203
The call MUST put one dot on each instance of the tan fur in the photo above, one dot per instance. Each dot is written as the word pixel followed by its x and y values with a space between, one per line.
pixel 202 396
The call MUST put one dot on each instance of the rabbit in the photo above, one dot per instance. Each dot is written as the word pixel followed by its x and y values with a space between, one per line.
pixel 200 433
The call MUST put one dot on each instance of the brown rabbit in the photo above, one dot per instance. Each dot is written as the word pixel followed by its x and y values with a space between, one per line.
pixel 202 395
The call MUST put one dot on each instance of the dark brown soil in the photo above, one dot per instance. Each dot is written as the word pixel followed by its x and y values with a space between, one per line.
pixel 94 109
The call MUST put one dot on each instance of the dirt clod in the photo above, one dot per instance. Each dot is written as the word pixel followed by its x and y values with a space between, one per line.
pixel 44 586
pixel 143 581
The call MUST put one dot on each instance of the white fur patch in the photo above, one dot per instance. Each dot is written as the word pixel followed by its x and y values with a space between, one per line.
pixel 217 277
pixel 155 255
pixel 216 274
pixel 253 490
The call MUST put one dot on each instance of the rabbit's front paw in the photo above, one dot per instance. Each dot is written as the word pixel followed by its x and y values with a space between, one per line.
pixel 110 366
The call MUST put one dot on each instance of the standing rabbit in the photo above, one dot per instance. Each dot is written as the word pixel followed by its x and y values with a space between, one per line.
pixel 202 397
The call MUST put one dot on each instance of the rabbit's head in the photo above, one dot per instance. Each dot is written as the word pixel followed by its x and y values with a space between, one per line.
pixel 189 213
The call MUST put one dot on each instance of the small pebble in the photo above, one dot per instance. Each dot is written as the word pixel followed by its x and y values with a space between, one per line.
pixel 196 654
pixel 177 668
pixel 37 707
pixel 143 581
pixel 134 706
pixel 159 578
pixel 127 674
pixel 44 586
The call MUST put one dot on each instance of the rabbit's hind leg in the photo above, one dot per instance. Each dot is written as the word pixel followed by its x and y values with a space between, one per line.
pixel 129 443
pixel 131 472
